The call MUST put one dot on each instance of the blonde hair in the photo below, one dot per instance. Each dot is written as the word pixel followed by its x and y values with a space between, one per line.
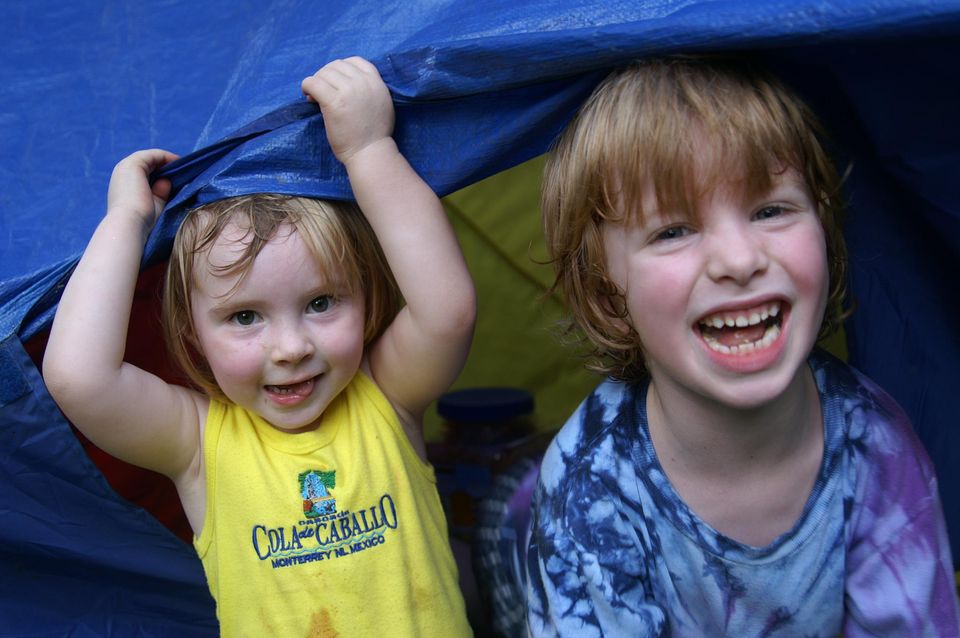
pixel 336 232
pixel 646 124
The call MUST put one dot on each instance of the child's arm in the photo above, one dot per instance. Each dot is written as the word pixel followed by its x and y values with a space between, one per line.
pixel 424 349
pixel 126 411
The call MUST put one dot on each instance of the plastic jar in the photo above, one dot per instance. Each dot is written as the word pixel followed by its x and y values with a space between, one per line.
pixel 485 430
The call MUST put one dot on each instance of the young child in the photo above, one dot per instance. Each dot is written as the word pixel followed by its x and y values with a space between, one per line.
pixel 727 479
pixel 301 465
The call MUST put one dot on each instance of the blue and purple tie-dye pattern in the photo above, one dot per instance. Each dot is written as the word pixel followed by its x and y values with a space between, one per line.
pixel 615 552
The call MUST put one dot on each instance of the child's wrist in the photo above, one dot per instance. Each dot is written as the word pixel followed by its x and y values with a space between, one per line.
pixel 372 151
pixel 120 216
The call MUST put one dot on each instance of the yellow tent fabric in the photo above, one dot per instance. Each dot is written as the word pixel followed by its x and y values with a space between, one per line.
pixel 516 343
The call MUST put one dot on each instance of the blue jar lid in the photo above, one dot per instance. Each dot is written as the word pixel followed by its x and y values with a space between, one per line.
pixel 485 404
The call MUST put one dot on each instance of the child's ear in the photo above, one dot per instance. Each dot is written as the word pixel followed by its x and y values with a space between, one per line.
pixel 614 306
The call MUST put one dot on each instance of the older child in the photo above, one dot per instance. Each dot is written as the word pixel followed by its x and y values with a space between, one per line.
pixel 301 465
pixel 728 479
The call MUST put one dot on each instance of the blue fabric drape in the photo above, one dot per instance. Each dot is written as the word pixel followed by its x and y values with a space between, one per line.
pixel 479 87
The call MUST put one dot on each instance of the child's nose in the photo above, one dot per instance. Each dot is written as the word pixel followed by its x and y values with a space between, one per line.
pixel 736 254
pixel 291 345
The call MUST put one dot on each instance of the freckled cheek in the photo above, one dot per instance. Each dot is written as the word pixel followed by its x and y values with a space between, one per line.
pixel 659 289
pixel 810 270
pixel 237 362
pixel 345 345
pixel 342 339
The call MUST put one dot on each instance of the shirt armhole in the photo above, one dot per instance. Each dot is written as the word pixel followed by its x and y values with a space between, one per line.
pixel 368 390
pixel 211 436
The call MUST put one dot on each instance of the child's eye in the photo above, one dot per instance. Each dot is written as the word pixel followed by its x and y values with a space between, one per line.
pixel 244 317
pixel 321 304
pixel 673 232
pixel 769 212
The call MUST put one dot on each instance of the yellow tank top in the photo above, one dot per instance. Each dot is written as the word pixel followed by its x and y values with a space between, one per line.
pixel 334 532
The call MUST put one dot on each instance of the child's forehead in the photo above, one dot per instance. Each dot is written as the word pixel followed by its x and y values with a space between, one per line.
pixel 705 185
pixel 237 235
pixel 679 153
pixel 232 254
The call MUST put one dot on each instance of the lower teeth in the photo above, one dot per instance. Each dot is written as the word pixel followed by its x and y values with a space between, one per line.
pixel 744 348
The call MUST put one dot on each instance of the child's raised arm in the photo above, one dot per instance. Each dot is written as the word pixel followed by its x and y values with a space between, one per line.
pixel 424 349
pixel 126 411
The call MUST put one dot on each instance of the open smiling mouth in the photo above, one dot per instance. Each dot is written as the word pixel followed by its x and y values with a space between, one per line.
pixel 295 389
pixel 742 331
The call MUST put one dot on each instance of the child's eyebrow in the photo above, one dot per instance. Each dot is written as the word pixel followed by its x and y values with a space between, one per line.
pixel 230 304
pixel 789 180
pixel 234 300
pixel 658 215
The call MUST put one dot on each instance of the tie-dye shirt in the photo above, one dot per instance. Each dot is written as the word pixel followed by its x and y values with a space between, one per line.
pixel 614 551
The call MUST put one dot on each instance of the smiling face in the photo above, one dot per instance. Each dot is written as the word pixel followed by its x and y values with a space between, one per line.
pixel 663 132
pixel 727 303
pixel 282 338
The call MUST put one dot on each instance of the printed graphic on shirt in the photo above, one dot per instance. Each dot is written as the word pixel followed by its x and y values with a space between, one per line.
pixel 324 533
pixel 314 486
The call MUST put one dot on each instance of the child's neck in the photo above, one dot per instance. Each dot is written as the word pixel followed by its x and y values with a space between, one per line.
pixel 748 473
pixel 710 434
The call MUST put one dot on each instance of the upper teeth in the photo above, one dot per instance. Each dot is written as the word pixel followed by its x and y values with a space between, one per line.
pixel 742 320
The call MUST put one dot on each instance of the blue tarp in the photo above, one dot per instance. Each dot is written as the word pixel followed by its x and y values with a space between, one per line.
pixel 480 87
